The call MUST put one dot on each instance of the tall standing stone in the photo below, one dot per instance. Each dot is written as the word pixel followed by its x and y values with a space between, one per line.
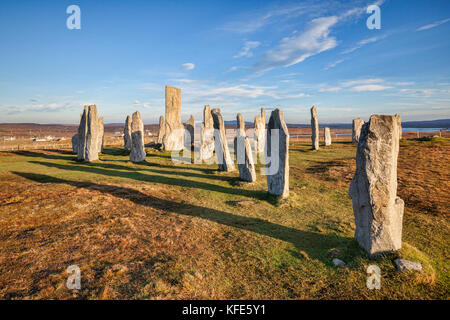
pixel 127 134
pixel 377 209
pixel 174 131
pixel 356 129
pixel 101 134
pixel 220 143
pixel 75 143
pixel 260 132
pixel 277 155
pixel 189 133
pixel 207 135
pixel 314 128
pixel 243 152
pixel 162 129
pixel 327 136
pixel 88 134
pixel 137 153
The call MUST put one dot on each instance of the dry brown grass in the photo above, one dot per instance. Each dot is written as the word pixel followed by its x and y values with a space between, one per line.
pixel 158 231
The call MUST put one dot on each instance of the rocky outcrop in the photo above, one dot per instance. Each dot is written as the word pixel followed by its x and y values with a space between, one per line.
pixel 220 143
pixel 174 131
pixel 189 133
pixel 243 152
pixel 327 136
pixel 277 155
pixel 137 153
pixel 127 134
pixel 207 135
pixel 162 129
pixel 356 129
pixel 88 134
pixel 314 128
pixel 377 209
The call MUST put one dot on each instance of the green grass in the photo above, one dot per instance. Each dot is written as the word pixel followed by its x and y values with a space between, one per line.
pixel 161 231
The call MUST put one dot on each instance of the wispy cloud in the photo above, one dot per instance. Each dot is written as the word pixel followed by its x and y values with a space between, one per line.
pixel 370 87
pixel 246 51
pixel 333 64
pixel 188 66
pixel 297 48
pixel 363 43
pixel 433 25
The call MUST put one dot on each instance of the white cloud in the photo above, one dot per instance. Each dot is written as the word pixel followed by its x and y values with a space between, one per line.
pixel 330 89
pixel 297 48
pixel 140 104
pixel 363 43
pixel 333 64
pixel 246 50
pixel 188 66
pixel 433 25
pixel 233 68
pixel 370 87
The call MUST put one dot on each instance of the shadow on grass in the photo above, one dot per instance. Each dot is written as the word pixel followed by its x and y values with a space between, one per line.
pixel 139 176
pixel 69 155
pixel 314 244
pixel 174 170
pixel 324 166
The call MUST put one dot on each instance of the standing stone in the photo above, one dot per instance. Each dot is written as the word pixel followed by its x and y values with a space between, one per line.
pixel 277 155
pixel 243 152
pixel 174 131
pixel 88 134
pixel 189 133
pixel 207 135
pixel 260 133
pixel 314 128
pixel 137 153
pixel 75 143
pixel 101 134
pixel 327 136
pixel 377 209
pixel 220 143
pixel 356 129
pixel 162 129
pixel 127 134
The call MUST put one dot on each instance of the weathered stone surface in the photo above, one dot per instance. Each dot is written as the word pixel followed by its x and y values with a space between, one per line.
pixel 220 143
pixel 327 136
pixel 101 134
pixel 75 143
pixel 314 128
pixel 88 134
pixel 277 155
pixel 339 263
pixel 260 132
pixel 356 129
pixel 377 209
pixel 137 153
pixel 127 134
pixel 243 152
pixel 162 129
pixel 174 131
pixel 207 135
pixel 189 133
pixel 403 264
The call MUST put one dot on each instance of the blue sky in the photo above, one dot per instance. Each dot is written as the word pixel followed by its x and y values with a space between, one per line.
pixel 236 55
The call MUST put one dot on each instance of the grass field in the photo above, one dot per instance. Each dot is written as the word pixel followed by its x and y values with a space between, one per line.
pixel 162 231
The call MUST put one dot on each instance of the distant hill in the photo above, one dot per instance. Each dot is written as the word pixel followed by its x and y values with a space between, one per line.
pixel 441 123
